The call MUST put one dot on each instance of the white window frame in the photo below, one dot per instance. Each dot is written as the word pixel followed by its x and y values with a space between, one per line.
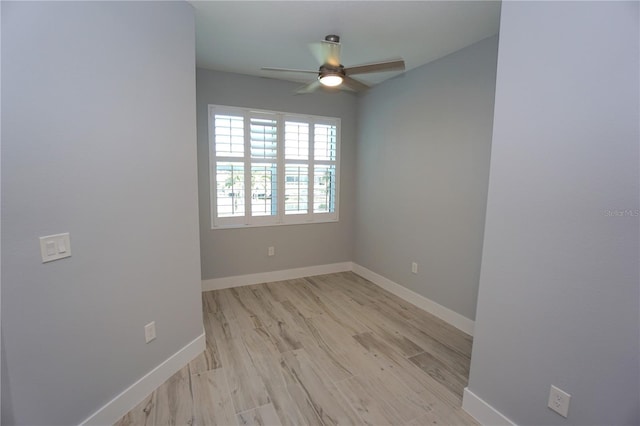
pixel 280 218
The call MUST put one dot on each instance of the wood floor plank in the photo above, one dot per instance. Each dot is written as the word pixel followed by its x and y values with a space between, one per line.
pixel 461 417
pixel 261 304
pixel 323 395
pixel 141 415
pixel 261 416
pixel 337 352
pixel 210 358
pixel 246 388
pixel 211 302
pixel 329 301
pixel 440 372
pixel 335 365
pixel 376 406
pixel 224 303
pixel 409 373
pixel 393 327
pixel 294 312
pixel 322 350
pixel 268 364
pixel 456 417
pixel 300 326
pixel 299 295
pixel 454 339
pixel 239 299
pixel 312 341
pixel 268 306
pixel 265 357
pixel 202 362
pixel 245 385
pixel 350 284
pixel 277 290
pixel 212 400
pixel 383 328
pixel 303 405
pixel 390 387
pixel 173 400
pixel 285 337
pixel 285 325
pixel 324 283
pixel 388 303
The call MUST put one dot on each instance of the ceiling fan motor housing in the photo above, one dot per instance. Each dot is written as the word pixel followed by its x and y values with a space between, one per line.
pixel 327 69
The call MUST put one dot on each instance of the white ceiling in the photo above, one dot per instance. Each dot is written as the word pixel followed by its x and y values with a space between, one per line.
pixel 243 36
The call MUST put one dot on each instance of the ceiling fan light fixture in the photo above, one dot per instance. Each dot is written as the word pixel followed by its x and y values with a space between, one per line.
pixel 333 74
pixel 330 80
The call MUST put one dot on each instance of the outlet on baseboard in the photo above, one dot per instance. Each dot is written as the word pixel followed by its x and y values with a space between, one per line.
pixel 271 251
pixel 414 267
pixel 559 401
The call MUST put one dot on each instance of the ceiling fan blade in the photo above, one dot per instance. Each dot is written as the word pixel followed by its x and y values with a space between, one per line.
pixel 326 52
pixel 395 65
pixel 288 70
pixel 309 88
pixel 353 84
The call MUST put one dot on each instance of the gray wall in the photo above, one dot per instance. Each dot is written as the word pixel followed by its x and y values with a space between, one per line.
pixel 422 170
pixel 228 252
pixel 98 139
pixel 558 301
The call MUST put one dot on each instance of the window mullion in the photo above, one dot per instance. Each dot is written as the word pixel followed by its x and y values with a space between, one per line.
pixel 247 168
pixel 312 137
pixel 213 197
pixel 280 188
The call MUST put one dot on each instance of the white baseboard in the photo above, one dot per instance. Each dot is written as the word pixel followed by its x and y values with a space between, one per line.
pixel 265 277
pixel 134 394
pixel 484 413
pixel 455 319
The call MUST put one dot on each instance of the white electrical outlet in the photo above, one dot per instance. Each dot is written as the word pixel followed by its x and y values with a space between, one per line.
pixel 559 401
pixel 271 251
pixel 414 268
pixel 150 331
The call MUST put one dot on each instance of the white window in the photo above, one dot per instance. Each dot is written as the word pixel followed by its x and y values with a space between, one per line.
pixel 272 168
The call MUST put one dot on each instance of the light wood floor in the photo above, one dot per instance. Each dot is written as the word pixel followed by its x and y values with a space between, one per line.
pixel 324 350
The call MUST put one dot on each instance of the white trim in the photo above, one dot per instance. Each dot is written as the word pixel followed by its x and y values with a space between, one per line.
pixel 265 277
pixel 134 394
pixel 455 319
pixel 484 413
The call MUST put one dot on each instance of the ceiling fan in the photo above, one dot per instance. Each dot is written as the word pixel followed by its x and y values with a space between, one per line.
pixel 332 73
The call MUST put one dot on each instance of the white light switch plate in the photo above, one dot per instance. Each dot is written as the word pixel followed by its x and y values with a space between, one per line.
pixel 54 247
